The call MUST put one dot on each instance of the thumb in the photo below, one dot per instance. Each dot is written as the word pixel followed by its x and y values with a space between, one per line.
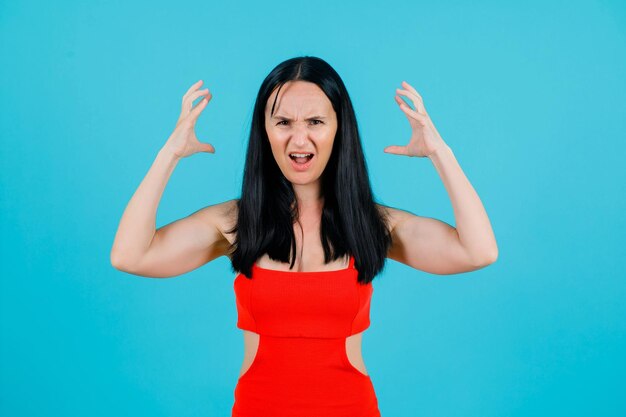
pixel 400 150
pixel 206 147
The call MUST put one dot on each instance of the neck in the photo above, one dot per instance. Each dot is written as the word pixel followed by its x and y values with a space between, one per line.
pixel 308 195
pixel 308 198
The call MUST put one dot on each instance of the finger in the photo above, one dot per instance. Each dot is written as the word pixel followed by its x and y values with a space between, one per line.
pixel 422 119
pixel 193 88
pixel 189 101
pixel 399 99
pixel 188 105
pixel 198 93
pixel 409 87
pixel 408 95
pixel 195 112
pixel 416 99
pixel 396 149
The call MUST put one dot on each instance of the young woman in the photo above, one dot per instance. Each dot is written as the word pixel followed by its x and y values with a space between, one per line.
pixel 305 238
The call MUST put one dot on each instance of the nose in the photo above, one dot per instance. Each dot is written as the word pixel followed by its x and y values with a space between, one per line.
pixel 300 134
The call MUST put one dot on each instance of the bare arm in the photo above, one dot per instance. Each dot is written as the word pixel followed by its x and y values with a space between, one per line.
pixel 473 233
pixel 138 223
pixel 429 244
pixel 185 244
pixel 182 245
pixel 176 248
pixel 434 246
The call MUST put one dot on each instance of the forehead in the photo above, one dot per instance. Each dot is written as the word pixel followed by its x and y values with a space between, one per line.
pixel 298 97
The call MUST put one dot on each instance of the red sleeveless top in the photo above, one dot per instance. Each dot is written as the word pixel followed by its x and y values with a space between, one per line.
pixel 319 304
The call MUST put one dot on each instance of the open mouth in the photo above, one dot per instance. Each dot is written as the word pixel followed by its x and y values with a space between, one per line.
pixel 301 158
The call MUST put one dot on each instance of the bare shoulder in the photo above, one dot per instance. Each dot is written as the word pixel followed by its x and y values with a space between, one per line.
pixel 393 215
pixel 222 216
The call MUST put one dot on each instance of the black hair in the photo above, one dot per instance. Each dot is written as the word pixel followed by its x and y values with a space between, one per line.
pixel 351 223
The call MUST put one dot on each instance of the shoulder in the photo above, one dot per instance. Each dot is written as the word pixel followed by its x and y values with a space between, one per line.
pixel 222 216
pixel 228 218
pixel 393 216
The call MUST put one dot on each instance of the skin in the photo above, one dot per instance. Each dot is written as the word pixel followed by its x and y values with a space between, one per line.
pixel 303 121
pixel 423 243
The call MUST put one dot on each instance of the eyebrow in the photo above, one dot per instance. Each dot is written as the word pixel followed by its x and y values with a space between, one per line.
pixel 310 118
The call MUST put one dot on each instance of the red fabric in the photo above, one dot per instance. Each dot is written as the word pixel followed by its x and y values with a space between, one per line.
pixel 301 367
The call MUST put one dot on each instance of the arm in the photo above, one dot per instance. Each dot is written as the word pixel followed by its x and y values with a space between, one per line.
pixel 185 244
pixel 175 248
pixel 137 225
pixel 473 231
pixel 434 246
pixel 430 244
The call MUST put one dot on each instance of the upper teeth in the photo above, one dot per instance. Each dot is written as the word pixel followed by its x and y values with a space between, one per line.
pixel 300 155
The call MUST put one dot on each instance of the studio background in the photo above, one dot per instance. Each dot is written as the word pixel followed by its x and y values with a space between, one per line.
pixel 528 95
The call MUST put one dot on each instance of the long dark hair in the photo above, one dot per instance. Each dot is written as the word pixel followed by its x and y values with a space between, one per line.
pixel 267 209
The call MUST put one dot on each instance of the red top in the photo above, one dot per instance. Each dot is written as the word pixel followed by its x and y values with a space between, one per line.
pixel 326 304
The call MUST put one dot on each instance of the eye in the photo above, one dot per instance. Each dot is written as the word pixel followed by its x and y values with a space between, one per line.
pixel 286 121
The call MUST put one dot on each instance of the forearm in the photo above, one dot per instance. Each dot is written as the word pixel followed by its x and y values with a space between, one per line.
pixel 138 223
pixel 472 223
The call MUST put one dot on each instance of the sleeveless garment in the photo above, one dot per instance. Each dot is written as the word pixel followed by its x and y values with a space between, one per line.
pixel 301 368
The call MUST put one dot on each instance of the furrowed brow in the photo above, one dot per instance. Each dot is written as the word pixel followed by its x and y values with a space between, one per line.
pixel 309 118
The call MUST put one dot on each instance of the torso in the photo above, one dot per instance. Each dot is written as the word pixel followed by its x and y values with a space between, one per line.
pixel 309 257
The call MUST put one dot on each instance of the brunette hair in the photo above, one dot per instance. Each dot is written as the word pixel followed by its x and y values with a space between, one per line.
pixel 351 223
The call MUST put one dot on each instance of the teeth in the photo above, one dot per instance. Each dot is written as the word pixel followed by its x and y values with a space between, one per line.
pixel 300 155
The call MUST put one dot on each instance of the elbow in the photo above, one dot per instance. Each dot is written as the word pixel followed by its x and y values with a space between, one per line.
pixel 118 262
pixel 491 256
pixel 494 253
pixel 487 258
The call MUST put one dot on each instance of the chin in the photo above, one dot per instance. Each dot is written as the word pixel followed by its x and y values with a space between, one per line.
pixel 302 181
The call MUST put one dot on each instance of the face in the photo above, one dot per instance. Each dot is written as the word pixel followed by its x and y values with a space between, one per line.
pixel 304 122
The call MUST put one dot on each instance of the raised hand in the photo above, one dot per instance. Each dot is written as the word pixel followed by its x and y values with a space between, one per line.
pixel 425 139
pixel 183 141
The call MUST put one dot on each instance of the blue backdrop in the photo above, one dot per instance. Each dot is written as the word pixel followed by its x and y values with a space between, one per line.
pixel 529 96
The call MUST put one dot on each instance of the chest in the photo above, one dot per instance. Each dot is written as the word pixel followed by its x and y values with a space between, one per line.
pixel 306 304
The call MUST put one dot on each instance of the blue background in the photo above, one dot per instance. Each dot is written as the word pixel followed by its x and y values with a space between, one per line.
pixel 529 96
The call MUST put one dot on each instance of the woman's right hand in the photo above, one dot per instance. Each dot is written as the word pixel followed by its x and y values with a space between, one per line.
pixel 183 141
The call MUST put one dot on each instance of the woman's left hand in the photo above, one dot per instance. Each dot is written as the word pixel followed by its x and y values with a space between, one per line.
pixel 425 139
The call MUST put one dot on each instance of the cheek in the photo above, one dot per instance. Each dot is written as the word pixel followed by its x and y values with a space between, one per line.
pixel 328 142
pixel 278 149
pixel 275 139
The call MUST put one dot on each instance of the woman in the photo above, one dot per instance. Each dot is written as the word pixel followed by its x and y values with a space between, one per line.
pixel 306 238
